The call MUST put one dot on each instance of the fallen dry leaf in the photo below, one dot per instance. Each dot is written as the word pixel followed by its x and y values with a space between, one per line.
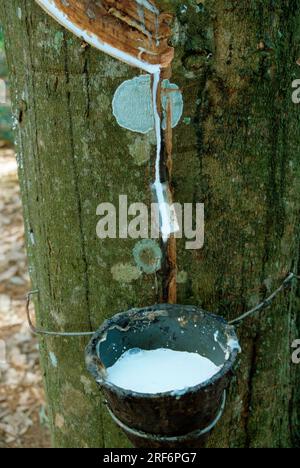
pixel 21 393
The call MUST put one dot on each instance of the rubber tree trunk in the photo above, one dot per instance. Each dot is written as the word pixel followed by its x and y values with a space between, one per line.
pixel 236 150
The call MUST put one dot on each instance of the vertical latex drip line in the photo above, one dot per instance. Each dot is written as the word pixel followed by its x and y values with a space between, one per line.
pixel 157 121
pixel 163 206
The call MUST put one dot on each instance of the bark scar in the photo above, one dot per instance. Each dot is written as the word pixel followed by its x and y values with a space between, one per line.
pixel 170 270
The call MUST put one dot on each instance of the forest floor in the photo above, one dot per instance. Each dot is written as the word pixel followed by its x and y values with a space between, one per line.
pixel 23 420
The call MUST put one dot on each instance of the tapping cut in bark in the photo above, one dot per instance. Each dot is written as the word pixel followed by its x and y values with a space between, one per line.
pixel 133 31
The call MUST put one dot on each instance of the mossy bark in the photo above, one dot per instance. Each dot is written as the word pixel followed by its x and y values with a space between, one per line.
pixel 236 150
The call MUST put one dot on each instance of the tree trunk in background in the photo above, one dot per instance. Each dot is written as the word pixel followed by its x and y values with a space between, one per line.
pixel 236 150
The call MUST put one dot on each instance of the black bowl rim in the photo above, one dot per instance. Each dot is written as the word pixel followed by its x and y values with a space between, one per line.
pixel 91 350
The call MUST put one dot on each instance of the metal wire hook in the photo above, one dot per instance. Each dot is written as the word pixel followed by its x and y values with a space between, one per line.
pixel 267 302
pixel 263 305
pixel 37 331
pixel 178 439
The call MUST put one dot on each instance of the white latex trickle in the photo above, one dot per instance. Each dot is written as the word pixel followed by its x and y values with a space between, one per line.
pixel 166 225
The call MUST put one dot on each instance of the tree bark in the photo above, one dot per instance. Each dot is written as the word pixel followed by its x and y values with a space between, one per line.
pixel 236 150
